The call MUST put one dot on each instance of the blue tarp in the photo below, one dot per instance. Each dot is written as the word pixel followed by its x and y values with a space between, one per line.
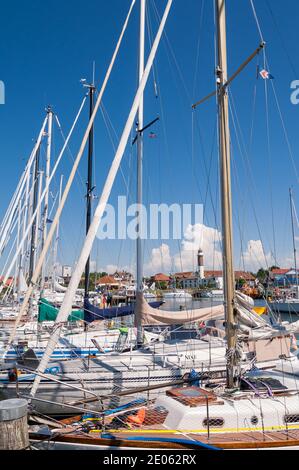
pixel 93 313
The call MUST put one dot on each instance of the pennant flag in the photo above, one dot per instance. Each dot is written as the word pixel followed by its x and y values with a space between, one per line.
pixel 266 75
pixel 49 221
pixel 152 135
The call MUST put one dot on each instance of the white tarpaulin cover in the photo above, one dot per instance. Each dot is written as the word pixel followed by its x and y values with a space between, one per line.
pixel 150 316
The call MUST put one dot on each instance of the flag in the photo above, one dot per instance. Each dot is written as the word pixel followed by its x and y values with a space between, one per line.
pixel 152 135
pixel 49 221
pixel 266 75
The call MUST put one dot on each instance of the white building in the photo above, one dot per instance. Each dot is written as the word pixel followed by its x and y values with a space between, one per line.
pixel 66 271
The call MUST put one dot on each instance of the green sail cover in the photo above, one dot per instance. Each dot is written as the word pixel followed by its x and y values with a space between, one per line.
pixel 47 312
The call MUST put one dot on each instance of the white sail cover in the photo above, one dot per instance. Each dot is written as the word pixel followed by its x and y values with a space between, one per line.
pixel 150 316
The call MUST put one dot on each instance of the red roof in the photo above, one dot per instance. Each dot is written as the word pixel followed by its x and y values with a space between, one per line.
pixel 238 275
pixel 280 272
pixel 108 280
pixel 213 274
pixel 160 278
pixel 184 275
pixel 244 275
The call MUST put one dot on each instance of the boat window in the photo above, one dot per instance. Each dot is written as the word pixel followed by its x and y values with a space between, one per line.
pixel 291 419
pixel 214 423
pixel 254 420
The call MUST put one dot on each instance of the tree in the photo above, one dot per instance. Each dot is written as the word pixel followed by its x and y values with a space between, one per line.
pixel 263 275
pixel 240 283
pixel 163 285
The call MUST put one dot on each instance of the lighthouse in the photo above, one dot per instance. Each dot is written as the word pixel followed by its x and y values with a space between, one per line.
pixel 200 263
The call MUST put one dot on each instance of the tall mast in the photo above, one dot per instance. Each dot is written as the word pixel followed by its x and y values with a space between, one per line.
pixel 294 239
pixel 226 198
pixel 46 206
pixel 22 253
pixel 34 225
pixel 55 251
pixel 90 187
pixel 139 262
pixel 17 268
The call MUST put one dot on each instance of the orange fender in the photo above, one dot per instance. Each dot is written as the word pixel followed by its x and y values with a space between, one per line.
pixel 137 419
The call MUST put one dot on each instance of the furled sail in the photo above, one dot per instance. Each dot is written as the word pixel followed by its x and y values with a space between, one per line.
pixel 94 313
pixel 150 316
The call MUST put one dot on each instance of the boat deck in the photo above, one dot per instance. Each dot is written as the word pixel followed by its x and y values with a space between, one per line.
pixel 227 441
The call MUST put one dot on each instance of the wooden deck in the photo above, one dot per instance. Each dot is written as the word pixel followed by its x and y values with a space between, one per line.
pixel 225 441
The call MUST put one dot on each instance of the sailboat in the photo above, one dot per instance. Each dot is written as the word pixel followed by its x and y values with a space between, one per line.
pixel 155 363
pixel 257 410
pixel 177 294
pixel 74 342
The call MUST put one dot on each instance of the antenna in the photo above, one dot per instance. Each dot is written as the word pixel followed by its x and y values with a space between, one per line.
pixel 94 73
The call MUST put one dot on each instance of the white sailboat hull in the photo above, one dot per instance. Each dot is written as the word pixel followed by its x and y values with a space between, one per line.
pixel 112 373
pixel 177 295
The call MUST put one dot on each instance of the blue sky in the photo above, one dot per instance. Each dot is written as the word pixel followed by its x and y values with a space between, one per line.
pixel 47 47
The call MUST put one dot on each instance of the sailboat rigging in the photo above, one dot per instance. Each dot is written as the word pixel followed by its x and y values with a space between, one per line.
pixel 225 412
pixel 226 199
pixel 76 277
pixel 250 408
pixel 294 241
pixel 289 302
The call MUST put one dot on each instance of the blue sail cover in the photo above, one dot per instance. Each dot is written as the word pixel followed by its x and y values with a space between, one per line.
pixel 93 313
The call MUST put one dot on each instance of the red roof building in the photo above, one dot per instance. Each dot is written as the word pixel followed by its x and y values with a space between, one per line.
pixel 209 274
pixel 185 275
pixel 107 281
pixel 160 278
pixel 244 275
pixel 238 275
pixel 279 272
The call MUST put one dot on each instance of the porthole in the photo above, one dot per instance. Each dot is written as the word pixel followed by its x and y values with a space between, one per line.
pixel 213 423
pixel 254 420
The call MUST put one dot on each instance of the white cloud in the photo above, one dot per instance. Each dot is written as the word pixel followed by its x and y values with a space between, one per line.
pixel 161 261
pixel 255 257
pixel 93 266
pixel 195 237
pixel 111 268
pixel 209 240
pixel 206 238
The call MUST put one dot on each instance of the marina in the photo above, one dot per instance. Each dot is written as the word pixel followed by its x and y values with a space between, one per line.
pixel 98 350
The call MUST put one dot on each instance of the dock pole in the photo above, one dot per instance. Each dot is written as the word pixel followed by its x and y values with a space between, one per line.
pixel 14 433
